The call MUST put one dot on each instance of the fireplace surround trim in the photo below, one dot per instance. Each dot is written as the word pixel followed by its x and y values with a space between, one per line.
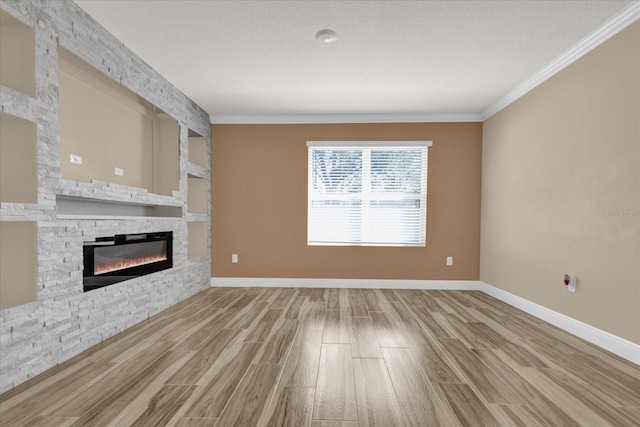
pixel 132 255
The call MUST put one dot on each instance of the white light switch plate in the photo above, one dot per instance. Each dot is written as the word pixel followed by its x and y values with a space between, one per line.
pixel 234 258
pixel 449 260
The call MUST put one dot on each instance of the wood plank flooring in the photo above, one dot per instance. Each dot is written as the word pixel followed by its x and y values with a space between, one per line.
pixel 334 357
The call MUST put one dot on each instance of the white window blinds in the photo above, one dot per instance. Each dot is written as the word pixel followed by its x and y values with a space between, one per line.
pixel 367 193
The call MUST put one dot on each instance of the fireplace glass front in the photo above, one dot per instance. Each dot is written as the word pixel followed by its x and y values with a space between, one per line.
pixel 110 260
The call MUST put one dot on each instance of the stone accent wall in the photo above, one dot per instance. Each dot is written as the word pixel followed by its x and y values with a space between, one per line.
pixel 64 321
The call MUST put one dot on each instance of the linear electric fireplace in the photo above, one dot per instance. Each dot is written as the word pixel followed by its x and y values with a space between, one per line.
pixel 117 258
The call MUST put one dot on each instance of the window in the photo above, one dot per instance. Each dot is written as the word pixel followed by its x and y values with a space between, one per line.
pixel 367 193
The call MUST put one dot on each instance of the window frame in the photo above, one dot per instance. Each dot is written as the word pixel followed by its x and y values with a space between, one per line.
pixel 366 183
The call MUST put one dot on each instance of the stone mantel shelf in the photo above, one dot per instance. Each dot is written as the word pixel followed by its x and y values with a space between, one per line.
pixel 18 104
pixel 115 193
pixel 94 217
pixel 197 171
pixel 74 207
pixel 192 217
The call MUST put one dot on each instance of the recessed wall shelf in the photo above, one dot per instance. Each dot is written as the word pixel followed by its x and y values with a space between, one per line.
pixel 19 272
pixel 198 150
pixel 197 195
pixel 84 208
pixel 197 171
pixel 197 235
pixel 113 129
pixel 17 55
pixel 18 170
pixel 197 217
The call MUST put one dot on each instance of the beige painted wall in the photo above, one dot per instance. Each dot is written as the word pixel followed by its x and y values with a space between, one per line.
pixel 19 263
pixel 259 204
pixel 111 127
pixel 88 111
pixel 197 235
pixel 196 195
pixel 198 151
pixel 17 55
pixel 18 173
pixel 166 152
pixel 561 190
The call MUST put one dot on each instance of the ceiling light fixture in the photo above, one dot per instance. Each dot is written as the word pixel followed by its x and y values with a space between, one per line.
pixel 326 36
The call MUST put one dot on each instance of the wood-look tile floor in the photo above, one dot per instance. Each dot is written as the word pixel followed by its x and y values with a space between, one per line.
pixel 334 357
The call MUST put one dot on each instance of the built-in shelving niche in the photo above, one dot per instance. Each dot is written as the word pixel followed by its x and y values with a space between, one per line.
pixel 197 235
pixel 85 208
pixel 197 195
pixel 17 55
pixel 112 134
pixel 197 200
pixel 18 168
pixel 198 150
pixel 196 184
pixel 19 269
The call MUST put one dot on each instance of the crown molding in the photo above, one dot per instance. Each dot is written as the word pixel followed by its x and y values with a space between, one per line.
pixel 342 118
pixel 625 17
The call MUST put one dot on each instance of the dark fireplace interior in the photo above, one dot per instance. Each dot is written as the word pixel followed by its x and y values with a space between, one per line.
pixel 114 259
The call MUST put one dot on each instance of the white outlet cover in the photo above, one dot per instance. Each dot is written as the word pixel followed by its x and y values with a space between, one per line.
pixel 449 260
pixel 234 258
pixel 75 159
pixel 119 171
pixel 572 284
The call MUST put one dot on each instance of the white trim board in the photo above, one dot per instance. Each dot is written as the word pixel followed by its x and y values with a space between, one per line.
pixel 252 282
pixel 624 348
pixel 256 119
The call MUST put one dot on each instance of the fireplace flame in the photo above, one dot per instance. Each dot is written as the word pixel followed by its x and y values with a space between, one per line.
pixel 121 265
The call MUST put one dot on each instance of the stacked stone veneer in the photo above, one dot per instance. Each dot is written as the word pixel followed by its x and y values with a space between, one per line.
pixel 64 321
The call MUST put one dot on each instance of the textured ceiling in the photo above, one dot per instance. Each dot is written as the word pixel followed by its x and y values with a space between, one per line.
pixel 391 57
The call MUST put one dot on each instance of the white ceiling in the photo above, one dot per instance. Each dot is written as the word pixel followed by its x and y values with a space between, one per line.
pixel 261 58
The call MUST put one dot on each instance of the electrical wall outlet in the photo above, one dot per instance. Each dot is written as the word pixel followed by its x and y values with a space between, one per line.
pixel 75 159
pixel 119 171
pixel 449 260
pixel 234 258
pixel 573 282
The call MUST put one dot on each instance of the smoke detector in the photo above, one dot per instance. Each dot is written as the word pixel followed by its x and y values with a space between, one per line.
pixel 326 36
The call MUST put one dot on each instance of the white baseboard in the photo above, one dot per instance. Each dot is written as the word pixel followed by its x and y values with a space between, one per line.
pixel 252 282
pixel 624 348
